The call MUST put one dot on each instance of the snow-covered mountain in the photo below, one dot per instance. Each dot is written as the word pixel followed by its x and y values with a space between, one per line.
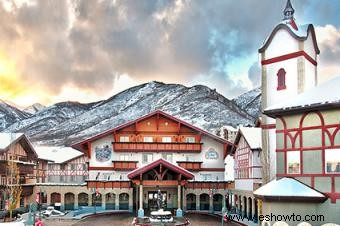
pixel 68 122
pixel 10 114
pixel 34 108
pixel 250 102
pixel 48 118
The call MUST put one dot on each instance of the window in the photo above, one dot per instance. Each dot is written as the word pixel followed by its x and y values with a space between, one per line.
pixel 147 158
pixel 281 79
pixel 293 162
pixel 147 139
pixel 190 140
pixel 166 139
pixel 211 154
pixel 167 157
pixel 206 177
pixel 124 157
pixel 50 167
pixel 123 139
pixel 22 202
pixel 73 178
pixel 332 158
pixel 73 166
pixel 62 178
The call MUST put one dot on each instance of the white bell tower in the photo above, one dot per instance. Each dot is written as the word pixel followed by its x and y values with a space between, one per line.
pixel 289 67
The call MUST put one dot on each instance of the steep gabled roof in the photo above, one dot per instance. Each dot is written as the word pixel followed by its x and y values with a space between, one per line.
pixel 252 135
pixel 164 163
pixel 8 139
pixel 78 146
pixel 300 34
pixel 288 189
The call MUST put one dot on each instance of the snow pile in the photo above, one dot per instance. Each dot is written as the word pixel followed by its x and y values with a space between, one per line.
pixel 57 154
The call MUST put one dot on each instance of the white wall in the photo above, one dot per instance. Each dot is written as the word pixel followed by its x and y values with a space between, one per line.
pixel 100 143
pixel 244 184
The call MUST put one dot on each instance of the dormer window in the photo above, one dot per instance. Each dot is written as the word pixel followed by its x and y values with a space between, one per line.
pixel 281 79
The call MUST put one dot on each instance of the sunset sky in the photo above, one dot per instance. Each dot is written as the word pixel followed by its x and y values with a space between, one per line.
pixel 53 51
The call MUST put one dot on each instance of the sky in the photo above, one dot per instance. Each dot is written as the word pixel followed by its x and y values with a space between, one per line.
pixel 52 51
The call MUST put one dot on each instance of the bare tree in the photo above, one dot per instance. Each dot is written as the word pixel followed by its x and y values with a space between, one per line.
pixel 13 188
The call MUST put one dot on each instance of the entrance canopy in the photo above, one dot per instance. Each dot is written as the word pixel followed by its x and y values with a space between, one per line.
pixel 160 170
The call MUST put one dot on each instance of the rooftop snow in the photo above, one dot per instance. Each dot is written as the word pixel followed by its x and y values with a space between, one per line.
pixel 7 138
pixel 253 136
pixel 57 154
pixel 326 93
pixel 287 187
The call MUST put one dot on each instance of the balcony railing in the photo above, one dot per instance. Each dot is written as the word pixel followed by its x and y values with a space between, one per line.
pixel 156 147
pixel 191 166
pixel 124 165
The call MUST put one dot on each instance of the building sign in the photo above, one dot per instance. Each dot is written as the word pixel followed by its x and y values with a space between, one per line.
pixel 103 154
pixel 211 154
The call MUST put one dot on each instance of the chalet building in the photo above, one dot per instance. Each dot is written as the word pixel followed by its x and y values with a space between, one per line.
pixel 16 152
pixel 247 169
pixel 301 135
pixel 130 163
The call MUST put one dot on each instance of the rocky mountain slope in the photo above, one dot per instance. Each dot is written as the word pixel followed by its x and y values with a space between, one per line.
pixel 34 108
pixel 250 102
pixel 67 122
pixel 10 114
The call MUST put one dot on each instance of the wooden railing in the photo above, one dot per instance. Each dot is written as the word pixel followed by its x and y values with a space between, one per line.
pixel 191 166
pixel 124 165
pixel 157 147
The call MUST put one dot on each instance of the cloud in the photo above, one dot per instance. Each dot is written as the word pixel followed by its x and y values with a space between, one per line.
pixel 89 44
pixel 254 74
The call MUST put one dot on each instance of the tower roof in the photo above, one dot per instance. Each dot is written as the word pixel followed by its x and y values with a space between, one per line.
pixel 288 12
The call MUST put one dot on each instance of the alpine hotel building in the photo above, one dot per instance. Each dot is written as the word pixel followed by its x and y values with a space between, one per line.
pixel 158 152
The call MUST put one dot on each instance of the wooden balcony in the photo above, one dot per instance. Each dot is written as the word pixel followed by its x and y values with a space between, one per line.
pixel 124 165
pixel 3 166
pixel 156 147
pixel 191 166
pixel 26 169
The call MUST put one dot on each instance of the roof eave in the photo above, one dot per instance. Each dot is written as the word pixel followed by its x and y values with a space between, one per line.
pixel 305 199
pixel 299 109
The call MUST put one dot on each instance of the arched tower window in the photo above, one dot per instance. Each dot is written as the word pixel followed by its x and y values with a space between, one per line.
pixel 281 79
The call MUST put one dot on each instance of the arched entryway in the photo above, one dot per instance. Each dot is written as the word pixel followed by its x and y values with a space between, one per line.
pixel 240 205
pixel 69 201
pixel 97 199
pixel 124 201
pixel 250 208
pixel 56 198
pixel 191 201
pixel 217 202
pixel 110 201
pixel 83 199
pixel 244 206
pixel 204 202
pixel 256 211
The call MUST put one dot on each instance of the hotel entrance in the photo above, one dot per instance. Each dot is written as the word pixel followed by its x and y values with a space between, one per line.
pixel 152 200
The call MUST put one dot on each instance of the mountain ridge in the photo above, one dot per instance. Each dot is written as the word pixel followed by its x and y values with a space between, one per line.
pixel 67 122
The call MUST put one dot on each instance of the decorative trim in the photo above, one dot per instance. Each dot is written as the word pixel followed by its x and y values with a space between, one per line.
pixel 288 57
pixel 268 126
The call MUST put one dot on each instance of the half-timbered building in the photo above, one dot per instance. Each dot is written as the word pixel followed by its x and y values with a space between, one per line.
pixel 19 165
pixel 157 152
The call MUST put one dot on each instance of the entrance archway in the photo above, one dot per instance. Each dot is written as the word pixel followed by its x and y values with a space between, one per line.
pixel 124 201
pixel 244 206
pixel 55 198
pixel 204 201
pixel 217 202
pixel 69 201
pixel 191 201
pixel 110 201
pixel 97 199
pixel 250 208
pixel 83 199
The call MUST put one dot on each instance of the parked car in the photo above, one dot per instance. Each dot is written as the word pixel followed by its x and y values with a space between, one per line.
pixel 51 212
